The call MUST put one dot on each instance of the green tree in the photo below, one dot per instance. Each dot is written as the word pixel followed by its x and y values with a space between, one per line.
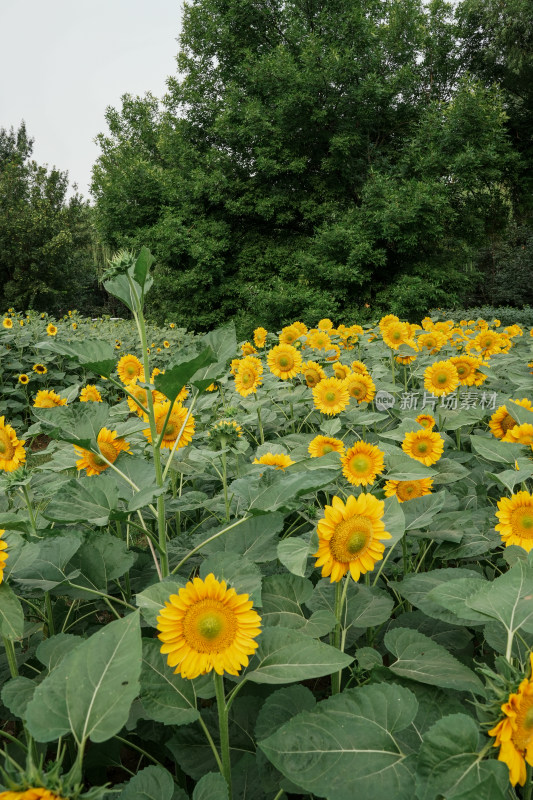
pixel 45 239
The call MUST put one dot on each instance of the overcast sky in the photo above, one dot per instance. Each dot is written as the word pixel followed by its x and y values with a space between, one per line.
pixel 62 62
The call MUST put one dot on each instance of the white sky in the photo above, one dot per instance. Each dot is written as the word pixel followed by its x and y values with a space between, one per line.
pixel 62 62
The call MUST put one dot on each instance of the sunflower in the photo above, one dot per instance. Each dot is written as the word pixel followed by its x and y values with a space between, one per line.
pixel 301 327
pixel 46 398
pixel 247 349
pixel 248 375
pixel 441 378
pixel 166 344
pixel 23 379
pixel 361 387
pixel 397 333
pixel 404 360
pixel 109 444
pixel 225 431
pixel 359 367
pixel 172 325
pixel 325 324
pixel 33 793
pixel 407 490
pixel 466 367
pixel 130 369
pixel 520 434
pixel 426 420
pixel 51 330
pixel 289 334
pixel 74 326
pixel 260 335
pixel 277 460
pixel 141 395
pixel 432 341
pixel 174 425
pixel 349 537
pixel 330 396
pixel 424 445
pixel 341 370
pixel 90 394
pixel 3 556
pixel 335 351
pixel 321 445
pixel 514 733
pixel 207 626
pixel 502 421
pixel 362 463
pixel 318 340
pixel 7 323
pixel 387 320
pixel 40 369
pixel 516 520
pixel 487 343
pixel 284 361
pixel 312 372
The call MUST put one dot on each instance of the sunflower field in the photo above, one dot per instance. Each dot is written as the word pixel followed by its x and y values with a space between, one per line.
pixel 296 567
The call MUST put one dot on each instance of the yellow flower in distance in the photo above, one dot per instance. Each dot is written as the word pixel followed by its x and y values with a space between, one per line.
pixel 433 341
pixel 361 387
pixel 426 420
pixel 514 733
pixel 90 394
pixel 321 445
pixel 247 349
pixel 3 556
pixel 40 369
pixel 110 446
pixel 260 335
pixel 12 453
pixel 7 323
pixel 331 396
pixel 313 373
pixel 289 334
pixel 23 379
pixel 424 445
pixel 407 490
pixel 174 425
pixel 362 463
pixel 284 361
pixel 515 516
pixel 318 340
pixel 277 460
pixel 51 330
pixel 325 324
pixel 248 373
pixel 34 793
pixel 349 537
pixel 520 434
pixel 441 378
pixel 130 369
pixel 206 627
pixel 46 398
pixel 397 333
pixel 502 420
pixel 466 367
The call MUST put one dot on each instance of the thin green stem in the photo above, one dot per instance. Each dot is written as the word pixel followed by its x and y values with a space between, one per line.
pixel 528 787
pixel 49 615
pixel 212 745
pixel 260 424
pixel 210 539
pixel 138 749
pixel 225 477
pixel 339 635
pixel 25 494
pixel 405 555
pixel 11 657
pixel 102 594
pixel 389 551
pixel 223 730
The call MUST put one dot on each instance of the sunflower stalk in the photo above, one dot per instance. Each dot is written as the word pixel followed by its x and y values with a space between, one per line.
pixel 223 730
pixel 11 657
pixel 338 637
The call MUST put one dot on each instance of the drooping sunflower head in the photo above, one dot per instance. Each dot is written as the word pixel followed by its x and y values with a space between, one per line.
pixel 441 378
pixel 502 420
pixel 321 445
pixel 90 394
pixel 313 373
pixel 361 387
pixel 426 420
pixel 277 460
pixel 3 556
pixel 284 361
pixel 330 396
pixel 424 445
pixel 51 330
pixel 206 627
pixel 260 335
pixel 362 463
pixel 176 428
pixel 520 434
pixel 46 398
pixel 341 370
pixel 247 349
pixel 350 537
pixel 130 369
pixel 408 490
pixel 110 445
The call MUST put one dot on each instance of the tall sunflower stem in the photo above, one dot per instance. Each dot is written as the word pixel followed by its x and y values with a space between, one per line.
pixel 338 639
pixel 528 786
pixel 223 730
pixel 29 506
pixel 225 477
pixel 405 556
pixel 259 422
pixel 49 614
pixel 11 657
pixel 392 369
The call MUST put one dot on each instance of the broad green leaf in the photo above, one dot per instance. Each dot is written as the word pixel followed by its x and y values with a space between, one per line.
pixel 453 596
pixel 510 477
pixel 172 381
pixel 223 343
pixel 165 696
pixel 283 596
pixel 151 783
pixel 53 650
pixel 50 567
pixel 83 499
pixel 255 538
pixel 294 553
pixel 402 468
pixel 281 491
pixel 448 470
pixel 280 707
pixel 285 656
pixel 17 693
pixel 420 511
pixel 366 606
pixel 350 746
pixel 78 424
pixel 99 560
pixel 90 692
pixel 394 519
pixel 152 600
pixel 93 354
pixel 422 659
pixel 492 449
pixel 450 764
pixel 211 787
pixel 416 587
pixel 239 573
pixel 508 599
pixel 120 287
pixel 141 268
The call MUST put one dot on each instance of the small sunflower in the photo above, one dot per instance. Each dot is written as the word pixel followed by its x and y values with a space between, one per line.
pixel 407 490
pixel 33 793
pixel 321 445
pixel 46 398
pixel 40 369
pixel 488 343
pixel 361 387
pixel 433 341
pixel 362 463
pixel 441 378
pixel 330 396
pixel 502 420
pixel 130 369
pixel 318 340
pixel 289 334
pixel 7 323
pixel 514 732
pixel 23 378
pixel 341 370
pixel 397 333
pixel 349 537
pixel 248 375
pixel 520 434
pixel 172 325
pixel 110 446
pixel 3 557
pixel 325 324
pixel 90 394
pixel 260 335
pixel 166 344
pixel 516 520
pixel 207 626
pixel 466 367
pixel 359 367
pixel 284 361
pixel 313 373
pixel 51 330
pixel 174 426
pixel 424 445
pixel 247 349
pixel 224 432
pixel 426 420
pixel 277 460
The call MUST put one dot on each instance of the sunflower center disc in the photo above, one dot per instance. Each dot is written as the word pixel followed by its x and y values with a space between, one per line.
pixel 359 464
pixel 210 626
pixel 284 361
pixel 350 538
pixel 327 448
pixel 528 718
pixel 507 423
pixel 524 521
pixel 422 447
pixel 442 378
pixel 330 397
